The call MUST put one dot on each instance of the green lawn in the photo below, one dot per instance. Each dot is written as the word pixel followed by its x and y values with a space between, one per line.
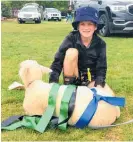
pixel 40 42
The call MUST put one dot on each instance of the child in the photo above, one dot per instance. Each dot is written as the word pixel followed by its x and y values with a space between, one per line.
pixel 82 49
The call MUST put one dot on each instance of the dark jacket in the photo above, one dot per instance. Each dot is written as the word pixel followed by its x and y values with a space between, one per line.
pixel 93 57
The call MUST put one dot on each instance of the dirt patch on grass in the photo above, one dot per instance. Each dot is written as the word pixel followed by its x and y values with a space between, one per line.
pixel 115 134
pixel 8 19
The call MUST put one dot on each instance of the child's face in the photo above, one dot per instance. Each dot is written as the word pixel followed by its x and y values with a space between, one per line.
pixel 87 28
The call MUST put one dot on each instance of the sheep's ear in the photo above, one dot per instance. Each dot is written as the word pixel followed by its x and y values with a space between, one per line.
pixel 23 72
pixel 45 69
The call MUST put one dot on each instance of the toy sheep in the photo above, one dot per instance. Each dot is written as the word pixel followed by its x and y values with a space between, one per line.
pixel 37 94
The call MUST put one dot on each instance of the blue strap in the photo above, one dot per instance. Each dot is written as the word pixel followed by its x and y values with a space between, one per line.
pixel 116 101
pixel 88 114
pixel 10 120
pixel 92 107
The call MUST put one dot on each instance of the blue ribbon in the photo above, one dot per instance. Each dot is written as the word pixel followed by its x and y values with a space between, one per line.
pixel 92 107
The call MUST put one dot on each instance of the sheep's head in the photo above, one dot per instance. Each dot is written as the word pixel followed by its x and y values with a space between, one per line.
pixel 30 70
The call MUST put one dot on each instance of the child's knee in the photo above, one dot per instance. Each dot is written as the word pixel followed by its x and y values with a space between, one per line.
pixel 71 54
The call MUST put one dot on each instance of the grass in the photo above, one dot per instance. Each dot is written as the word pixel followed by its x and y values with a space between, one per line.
pixel 40 42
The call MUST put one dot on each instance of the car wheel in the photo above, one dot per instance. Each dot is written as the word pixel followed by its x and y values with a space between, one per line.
pixel 39 21
pixel 20 22
pixel 105 30
pixel 59 20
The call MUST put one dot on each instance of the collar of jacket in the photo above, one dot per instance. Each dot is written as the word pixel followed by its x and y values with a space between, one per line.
pixel 95 39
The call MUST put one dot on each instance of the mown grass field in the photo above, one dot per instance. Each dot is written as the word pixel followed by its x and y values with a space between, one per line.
pixel 40 42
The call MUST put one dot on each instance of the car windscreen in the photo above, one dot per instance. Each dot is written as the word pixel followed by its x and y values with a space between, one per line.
pixel 29 9
pixel 52 10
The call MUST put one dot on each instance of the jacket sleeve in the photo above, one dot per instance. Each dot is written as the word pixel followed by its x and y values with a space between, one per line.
pixel 101 66
pixel 57 64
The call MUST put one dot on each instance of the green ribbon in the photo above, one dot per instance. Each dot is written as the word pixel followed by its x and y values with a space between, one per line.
pixel 27 121
pixel 45 119
pixel 38 124
pixel 64 106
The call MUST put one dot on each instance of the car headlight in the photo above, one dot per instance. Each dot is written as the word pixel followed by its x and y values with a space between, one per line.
pixel 116 8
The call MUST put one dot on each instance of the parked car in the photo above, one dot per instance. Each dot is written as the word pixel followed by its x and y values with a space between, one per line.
pixel 52 14
pixel 117 15
pixel 40 7
pixel 29 13
pixel 31 4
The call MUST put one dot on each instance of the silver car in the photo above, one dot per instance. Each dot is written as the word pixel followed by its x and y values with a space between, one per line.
pixel 52 14
pixel 29 13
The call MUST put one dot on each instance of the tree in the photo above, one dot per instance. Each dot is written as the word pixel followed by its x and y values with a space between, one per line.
pixel 6 8
pixel 61 5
